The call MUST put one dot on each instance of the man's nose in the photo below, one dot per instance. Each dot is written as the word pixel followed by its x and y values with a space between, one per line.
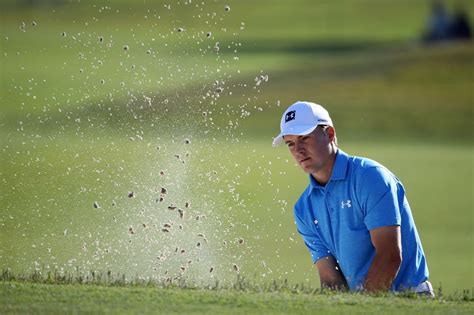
pixel 299 147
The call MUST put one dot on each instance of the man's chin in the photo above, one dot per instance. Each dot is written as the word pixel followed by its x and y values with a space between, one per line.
pixel 307 169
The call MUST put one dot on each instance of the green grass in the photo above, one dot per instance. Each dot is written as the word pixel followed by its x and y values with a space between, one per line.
pixel 24 297
pixel 67 140
pixel 356 57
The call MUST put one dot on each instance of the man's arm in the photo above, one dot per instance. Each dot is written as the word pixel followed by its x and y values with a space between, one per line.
pixel 387 260
pixel 330 274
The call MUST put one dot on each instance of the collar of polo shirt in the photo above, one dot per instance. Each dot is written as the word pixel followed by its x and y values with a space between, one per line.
pixel 339 170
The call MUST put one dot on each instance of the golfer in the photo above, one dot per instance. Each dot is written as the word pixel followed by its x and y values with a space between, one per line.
pixel 354 216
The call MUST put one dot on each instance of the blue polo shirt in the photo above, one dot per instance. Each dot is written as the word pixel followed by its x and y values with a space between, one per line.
pixel 335 220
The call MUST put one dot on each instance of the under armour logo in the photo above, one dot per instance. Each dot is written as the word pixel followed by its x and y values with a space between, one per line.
pixel 291 115
pixel 346 204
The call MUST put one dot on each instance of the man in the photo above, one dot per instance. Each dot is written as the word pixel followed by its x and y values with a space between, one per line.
pixel 354 216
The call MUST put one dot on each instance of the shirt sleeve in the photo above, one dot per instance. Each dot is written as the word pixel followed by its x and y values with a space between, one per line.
pixel 379 191
pixel 311 239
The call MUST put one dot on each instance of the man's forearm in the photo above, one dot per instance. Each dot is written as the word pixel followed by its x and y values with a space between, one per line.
pixel 330 274
pixel 335 282
pixel 339 285
pixel 382 272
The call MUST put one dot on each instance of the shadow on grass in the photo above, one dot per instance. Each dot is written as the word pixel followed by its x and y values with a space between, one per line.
pixel 316 46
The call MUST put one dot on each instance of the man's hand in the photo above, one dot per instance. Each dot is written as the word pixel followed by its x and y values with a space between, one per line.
pixel 387 260
pixel 330 274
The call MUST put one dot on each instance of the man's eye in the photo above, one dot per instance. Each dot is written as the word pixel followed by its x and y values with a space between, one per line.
pixel 290 144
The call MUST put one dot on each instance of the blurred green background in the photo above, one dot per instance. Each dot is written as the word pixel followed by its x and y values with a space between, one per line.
pixel 102 100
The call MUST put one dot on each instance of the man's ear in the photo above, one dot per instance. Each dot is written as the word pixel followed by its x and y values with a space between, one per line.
pixel 331 133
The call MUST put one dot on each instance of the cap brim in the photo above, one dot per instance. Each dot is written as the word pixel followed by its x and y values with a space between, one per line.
pixel 295 130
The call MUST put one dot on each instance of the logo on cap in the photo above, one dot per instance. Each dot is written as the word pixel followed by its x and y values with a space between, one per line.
pixel 291 115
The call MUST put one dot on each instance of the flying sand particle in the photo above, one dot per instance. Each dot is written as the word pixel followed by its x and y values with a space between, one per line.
pixel 147 100
pixel 131 194
pixel 162 257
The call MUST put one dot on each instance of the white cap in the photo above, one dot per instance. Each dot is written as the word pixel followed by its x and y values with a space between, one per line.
pixel 302 118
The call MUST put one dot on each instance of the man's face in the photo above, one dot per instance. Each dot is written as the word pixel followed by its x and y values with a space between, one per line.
pixel 313 151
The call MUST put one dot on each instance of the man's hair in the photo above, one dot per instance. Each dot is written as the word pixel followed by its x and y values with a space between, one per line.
pixel 324 130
